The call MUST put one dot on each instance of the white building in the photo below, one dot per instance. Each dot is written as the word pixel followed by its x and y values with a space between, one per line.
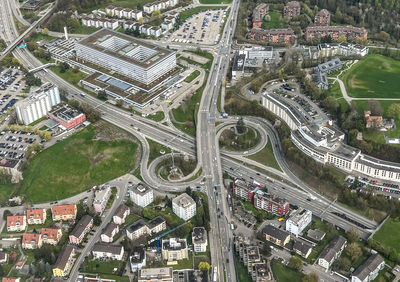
pixel 107 251
pixel 184 206
pixel 101 199
pixel 199 239
pixel 369 270
pixel 142 195
pixel 174 249
pixel 163 274
pixel 109 232
pixel 38 104
pixel 137 258
pixel 332 251
pixel 298 220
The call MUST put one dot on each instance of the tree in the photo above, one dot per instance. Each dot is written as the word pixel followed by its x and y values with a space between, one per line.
pixel 46 135
pixel 331 103
pixel 354 234
pixel 394 111
pixel 295 263
pixel 240 126
pixel 97 220
pixel 354 251
pixel 375 107
pixel 6 213
pixel 102 95
pixel 45 31
pixel 120 102
pixel 32 46
pixel 74 103
pixel 341 39
pixel 203 265
pixel 64 67
pixel 311 277
pixel 344 263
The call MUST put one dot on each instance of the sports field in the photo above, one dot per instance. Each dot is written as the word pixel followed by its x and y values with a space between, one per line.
pixel 375 76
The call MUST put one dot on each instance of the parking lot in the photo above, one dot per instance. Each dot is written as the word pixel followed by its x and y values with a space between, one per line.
pixel 11 85
pixel 13 144
pixel 202 28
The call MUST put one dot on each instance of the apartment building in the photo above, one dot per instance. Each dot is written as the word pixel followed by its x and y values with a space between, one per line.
pixel 159 5
pixel 67 116
pixel 141 228
pixel 369 270
pixel 332 251
pixel 322 18
pixel 271 203
pixel 199 239
pixel 63 212
pixel 142 195
pixel 174 249
pixel 81 229
pixel 38 103
pixel 156 225
pixel 298 220
pixel 276 235
pixel 137 258
pixel 291 10
pixel 64 262
pixel 278 35
pixel 109 232
pixel 100 22
pixel 259 12
pixel 36 216
pixel 302 249
pixel 124 13
pixel 350 32
pixel 244 189
pixel 16 223
pixel 163 274
pixel 120 215
pixel 101 199
pixel 3 257
pixel 107 251
pixel 51 235
pixel 31 241
pixel 184 206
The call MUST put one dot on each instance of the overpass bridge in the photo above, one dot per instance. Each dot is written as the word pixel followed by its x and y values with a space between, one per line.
pixel 41 67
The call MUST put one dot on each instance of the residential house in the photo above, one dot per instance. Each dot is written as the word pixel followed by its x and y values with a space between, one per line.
pixel 184 206
pixel 81 229
pixel 120 215
pixel 302 249
pixel 36 216
pixel 156 225
pixel 323 17
pixel 109 232
pixel 275 235
pixel 369 270
pixel 332 251
pixel 259 13
pixel 63 212
pixel 174 249
pixel 372 121
pixel 316 234
pixel 64 262
pixel 163 274
pixel 3 257
pixel 142 195
pixel 102 251
pixel 137 258
pixel 244 189
pixel 51 235
pixel 291 10
pixel 16 223
pixel 199 239
pixel 278 35
pixel 137 229
pixel 31 241
pixel 101 199
pixel 10 279
pixel 350 32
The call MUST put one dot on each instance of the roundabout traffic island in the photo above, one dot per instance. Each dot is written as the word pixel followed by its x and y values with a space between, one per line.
pixel 175 167
pixel 239 137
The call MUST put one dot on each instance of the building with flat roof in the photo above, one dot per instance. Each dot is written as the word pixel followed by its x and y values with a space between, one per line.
pixel 278 35
pixel 67 116
pixel 259 13
pixel 369 270
pixel 238 66
pixel 199 239
pixel 38 103
pixel 163 274
pixel 350 32
pixel 184 206
pixel 298 220
pixel 291 10
pixel 126 55
pixel 271 203
pixel 142 195
pixel 323 17
pixel 174 249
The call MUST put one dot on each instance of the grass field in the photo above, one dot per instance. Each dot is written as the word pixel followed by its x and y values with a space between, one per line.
pixel 266 157
pixel 192 76
pixel 155 149
pixel 284 274
pixel 158 116
pixel 69 75
pixel 276 21
pixel 215 1
pixel 97 266
pixel 5 192
pixel 242 274
pixel 375 76
pixel 233 142
pixel 389 234
pixel 76 164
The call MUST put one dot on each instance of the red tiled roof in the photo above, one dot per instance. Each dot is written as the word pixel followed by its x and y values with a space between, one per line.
pixel 13 219
pixel 27 238
pixel 35 213
pixel 50 233
pixel 63 210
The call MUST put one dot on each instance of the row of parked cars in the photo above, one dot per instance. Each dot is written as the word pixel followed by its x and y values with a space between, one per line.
pixel 8 78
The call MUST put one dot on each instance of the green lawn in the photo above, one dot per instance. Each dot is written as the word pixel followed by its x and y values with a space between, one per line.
pixel 184 263
pixel 76 164
pixel 40 36
pixel 97 266
pixel 155 149
pixel 158 116
pixel 69 75
pixel 389 234
pixel 284 274
pixel 6 191
pixel 172 219
pixel 192 76
pixel 266 157
pixel 375 76
pixel 241 270
pixel 239 142
pixel 276 20
pixel 215 1
pixel 249 206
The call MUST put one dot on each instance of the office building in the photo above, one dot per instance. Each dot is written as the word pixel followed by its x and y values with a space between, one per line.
pixel 369 270
pixel 67 117
pixel 101 199
pixel 184 206
pixel 174 249
pixel 298 220
pixel 291 10
pixel 163 274
pixel 238 66
pixel 38 103
pixel 199 239
pixel 332 251
pixel 142 195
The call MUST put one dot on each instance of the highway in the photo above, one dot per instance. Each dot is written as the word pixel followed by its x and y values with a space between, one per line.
pixel 208 153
